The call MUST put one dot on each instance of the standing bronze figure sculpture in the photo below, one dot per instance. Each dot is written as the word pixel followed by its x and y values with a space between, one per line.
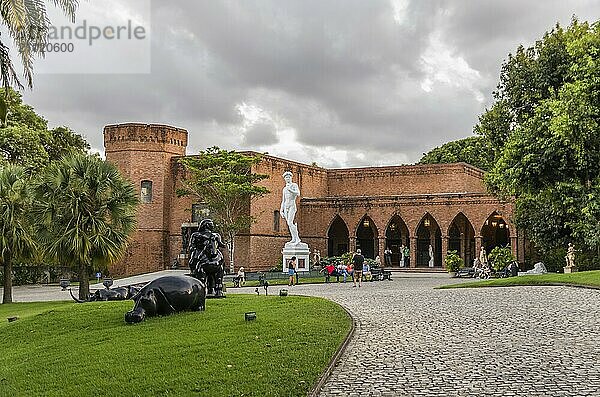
pixel 206 259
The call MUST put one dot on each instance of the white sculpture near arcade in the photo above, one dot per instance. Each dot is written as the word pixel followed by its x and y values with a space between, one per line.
pixel 294 247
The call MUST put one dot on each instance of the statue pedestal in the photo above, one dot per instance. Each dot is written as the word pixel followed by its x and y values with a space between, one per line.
pixel 570 269
pixel 300 251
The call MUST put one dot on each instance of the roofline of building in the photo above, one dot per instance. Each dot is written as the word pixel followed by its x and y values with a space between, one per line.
pixel 470 195
pixel 389 168
pixel 144 125
pixel 373 168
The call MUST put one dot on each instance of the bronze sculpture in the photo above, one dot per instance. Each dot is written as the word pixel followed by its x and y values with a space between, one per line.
pixel 114 294
pixel 167 295
pixel 206 259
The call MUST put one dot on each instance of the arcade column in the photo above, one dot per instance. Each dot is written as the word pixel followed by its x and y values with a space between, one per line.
pixel 413 252
pixel 445 240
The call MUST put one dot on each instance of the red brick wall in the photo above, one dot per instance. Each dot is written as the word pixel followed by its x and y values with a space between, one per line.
pixel 406 179
pixel 143 152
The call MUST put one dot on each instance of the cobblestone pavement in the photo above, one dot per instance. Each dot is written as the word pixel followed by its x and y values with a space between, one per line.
pixel 412 340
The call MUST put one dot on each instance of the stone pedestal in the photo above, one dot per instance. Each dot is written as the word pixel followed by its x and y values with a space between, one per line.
pixel 300 251
pixel 570 269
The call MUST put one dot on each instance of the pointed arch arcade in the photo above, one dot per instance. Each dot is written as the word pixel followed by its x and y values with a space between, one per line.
pixel 429 233
pixel 396 236
pixel 366 237
pixel 495 232
pixel 461 238
pixel 338 237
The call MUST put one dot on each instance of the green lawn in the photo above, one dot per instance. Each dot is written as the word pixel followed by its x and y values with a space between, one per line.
pixel 590 278
pixel 69 349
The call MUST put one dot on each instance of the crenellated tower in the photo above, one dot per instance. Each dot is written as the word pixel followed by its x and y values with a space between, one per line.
pixel 143 153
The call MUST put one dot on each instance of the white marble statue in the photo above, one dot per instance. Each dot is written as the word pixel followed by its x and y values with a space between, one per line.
pixel 288 206
pixel 483 256
pixel 538 268
pixel 570 258
pixel 430 255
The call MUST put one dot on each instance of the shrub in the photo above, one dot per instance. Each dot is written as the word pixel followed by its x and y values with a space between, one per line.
pixel 500 257
pixel 453 261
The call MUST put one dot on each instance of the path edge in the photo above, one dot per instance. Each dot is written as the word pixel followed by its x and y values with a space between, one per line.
pixel 335 359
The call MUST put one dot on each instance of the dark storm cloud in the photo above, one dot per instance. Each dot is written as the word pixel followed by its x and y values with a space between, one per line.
pixel 345 75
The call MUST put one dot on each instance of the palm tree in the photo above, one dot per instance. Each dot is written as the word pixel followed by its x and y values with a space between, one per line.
pixel 15 229
pixel 85 212
pixel 27 24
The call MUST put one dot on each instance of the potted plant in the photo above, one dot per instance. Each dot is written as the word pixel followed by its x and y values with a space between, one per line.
pixel 453 263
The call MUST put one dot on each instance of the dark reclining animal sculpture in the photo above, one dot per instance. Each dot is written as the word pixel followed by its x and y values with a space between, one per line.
pixel 115 294
pixel 167 295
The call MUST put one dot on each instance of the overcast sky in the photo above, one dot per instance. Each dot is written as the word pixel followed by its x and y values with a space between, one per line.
pixel 339 83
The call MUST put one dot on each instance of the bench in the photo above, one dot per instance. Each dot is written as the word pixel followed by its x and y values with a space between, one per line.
pixel 379 275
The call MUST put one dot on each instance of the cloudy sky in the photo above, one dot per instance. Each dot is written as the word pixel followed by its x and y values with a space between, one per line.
pixel 336 82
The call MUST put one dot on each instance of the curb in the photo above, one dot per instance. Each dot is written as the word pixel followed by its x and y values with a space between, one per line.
pixel 334 360
pixel 583 286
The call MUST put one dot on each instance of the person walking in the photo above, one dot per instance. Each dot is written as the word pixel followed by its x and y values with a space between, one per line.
pixel 358 260
pixel 292 270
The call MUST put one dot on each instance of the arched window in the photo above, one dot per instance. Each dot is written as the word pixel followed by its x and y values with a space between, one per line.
pixel 146 192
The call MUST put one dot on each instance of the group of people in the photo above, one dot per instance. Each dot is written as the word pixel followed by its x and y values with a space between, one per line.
pixel 357 268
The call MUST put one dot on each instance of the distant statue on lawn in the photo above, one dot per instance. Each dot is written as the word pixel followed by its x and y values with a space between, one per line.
pixel 206 258
pixel 538 268
pixel 570 258
pixel 288 206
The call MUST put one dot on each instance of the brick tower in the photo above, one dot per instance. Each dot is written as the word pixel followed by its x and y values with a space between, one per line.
pixel 143 153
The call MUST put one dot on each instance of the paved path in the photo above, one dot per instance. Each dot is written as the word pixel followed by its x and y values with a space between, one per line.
pixel 412 340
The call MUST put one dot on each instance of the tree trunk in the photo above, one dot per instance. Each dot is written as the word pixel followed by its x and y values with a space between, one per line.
pixel 231 247
pixel 84 282
pixel 7 295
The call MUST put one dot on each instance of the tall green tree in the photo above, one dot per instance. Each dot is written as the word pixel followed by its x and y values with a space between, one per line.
pixel 85 214
pixel 474 150
pixel 550 157
pixel 223 180
pixel 27 24
pixel 26 140
pixel 16 240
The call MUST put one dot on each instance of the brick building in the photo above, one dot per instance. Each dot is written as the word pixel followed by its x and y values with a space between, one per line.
pixel 445 205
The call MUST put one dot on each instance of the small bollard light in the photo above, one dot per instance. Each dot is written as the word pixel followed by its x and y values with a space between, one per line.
pixel 283 292
pixel 64 283
pixel 250 316
pixel 108 282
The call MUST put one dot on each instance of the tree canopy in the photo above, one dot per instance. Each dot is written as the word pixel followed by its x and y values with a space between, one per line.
pixel 545 128
pixel 474 150
pixel 85 213
pixel 16 240
pixel 25 139
pixel 224 181
pixel 27 24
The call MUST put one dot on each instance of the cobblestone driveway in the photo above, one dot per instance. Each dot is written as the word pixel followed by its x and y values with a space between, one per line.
pixel 412 340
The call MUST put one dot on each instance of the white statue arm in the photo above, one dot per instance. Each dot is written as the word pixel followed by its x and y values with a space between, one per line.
pixel 295 189
pixel 282 208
